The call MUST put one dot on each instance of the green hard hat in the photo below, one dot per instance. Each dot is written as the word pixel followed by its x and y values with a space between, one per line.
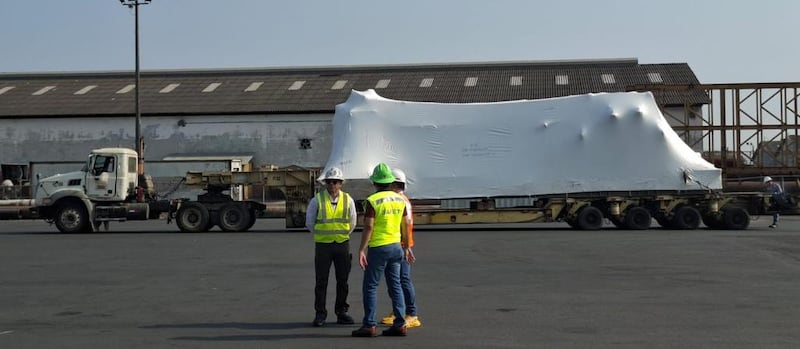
pixel 382 174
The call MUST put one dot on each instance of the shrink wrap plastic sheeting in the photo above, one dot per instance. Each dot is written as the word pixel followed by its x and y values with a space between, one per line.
pixel 583 143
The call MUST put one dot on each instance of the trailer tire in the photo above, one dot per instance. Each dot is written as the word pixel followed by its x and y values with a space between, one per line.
pixel 72 217
pixel 192 217
pixel 686 218
pixel 736 218
pixel 638 218
pixel 663 221
pixel 234 217
pixel 713 222
pixel 590 218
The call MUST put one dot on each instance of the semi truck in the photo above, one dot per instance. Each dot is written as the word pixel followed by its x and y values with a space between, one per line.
pixel 107 189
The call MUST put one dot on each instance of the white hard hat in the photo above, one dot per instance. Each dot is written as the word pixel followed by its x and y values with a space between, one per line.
pixel 767 179
pixel 333 173
pixel 399 175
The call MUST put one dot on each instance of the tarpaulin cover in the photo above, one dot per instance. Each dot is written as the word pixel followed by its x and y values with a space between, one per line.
pixel 583 143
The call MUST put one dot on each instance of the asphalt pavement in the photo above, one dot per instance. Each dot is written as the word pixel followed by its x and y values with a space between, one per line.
pixel 145 285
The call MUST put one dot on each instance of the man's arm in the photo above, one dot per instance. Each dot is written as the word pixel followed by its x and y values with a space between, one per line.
pixel 353 214
pixel 311 214
pixel 369 224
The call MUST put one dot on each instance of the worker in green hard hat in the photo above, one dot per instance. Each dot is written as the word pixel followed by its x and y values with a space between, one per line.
pixel 386 223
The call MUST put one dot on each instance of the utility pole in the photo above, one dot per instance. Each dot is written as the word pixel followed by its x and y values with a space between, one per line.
pixel 139 146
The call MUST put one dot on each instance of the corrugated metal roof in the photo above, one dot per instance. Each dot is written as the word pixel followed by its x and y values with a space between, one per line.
pixel 279 91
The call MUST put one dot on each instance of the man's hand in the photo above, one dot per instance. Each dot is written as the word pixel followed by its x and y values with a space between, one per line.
pixel 362 259
pixel 410 256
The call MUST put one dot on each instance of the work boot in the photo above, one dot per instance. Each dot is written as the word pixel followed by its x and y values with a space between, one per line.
pixel 344 319
pixel 319 320
pixel 388 320
pixel 366 331
pixel 395 331
pixel 773 225
pixel 413 321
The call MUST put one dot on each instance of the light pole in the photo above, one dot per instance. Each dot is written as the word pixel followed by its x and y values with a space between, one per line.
pixel 134 4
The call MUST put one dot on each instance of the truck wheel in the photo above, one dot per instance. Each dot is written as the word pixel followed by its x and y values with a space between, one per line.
pixel 590 218
pixel 72 218
pixel 234 217
pixel 638 218
pixel 736 218
pixel 253 217
pixel 686 217
pixel 192 217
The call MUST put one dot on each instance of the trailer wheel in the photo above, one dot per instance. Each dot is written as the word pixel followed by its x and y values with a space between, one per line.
pixel 590 218
pixel 686 217
pixel 72 217
pixel 663 221
pixel 192 217
pixel 713 222
pixel 638 218
pixel 736 218
pixel 234 217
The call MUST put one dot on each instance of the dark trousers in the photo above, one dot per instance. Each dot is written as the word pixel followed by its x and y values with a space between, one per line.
pixel 339 255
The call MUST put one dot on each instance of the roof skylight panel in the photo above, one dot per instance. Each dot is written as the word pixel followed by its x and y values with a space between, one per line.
pixel 297 85
pixel 383 83
pixel 43 90
pixel 655 78
pixel 608 78
pixel 562 79
pixel 212 86
pixel 254 86
pixel 85 90
pixel 6 89
pixel 426 82
pixel 470 81
pixel 169 88
pixel 126 89
pixel 515 81
pixel 338 85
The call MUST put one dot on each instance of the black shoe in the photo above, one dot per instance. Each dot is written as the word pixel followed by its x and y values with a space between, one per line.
pixel 319 320
pixel 395 331
pixel 365 331
pixel 344 319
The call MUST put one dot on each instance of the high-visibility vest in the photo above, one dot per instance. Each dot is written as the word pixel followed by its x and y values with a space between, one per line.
pixel 332 224
pixel 389 207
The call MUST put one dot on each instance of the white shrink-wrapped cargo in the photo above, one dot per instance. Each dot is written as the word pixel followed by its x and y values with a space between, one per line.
pixel 585 143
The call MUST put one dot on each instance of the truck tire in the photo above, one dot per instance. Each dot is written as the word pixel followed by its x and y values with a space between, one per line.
pixel 72 217
pixel 192 217
pixel 253 217
pixel 234 217
pixel 686 218
pixel 736 218
pixel 638 218
pixel 590 218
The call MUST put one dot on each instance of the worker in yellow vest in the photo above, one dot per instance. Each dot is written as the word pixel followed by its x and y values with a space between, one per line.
pixel 409 294
pixel 380 253
pixel 331 217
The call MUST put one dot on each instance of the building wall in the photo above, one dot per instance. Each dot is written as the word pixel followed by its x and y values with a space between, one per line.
pixel 272 139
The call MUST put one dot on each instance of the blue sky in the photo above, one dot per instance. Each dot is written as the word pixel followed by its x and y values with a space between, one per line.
pixel 723 41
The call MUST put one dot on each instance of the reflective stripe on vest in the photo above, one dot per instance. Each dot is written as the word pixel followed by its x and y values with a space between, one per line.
pixel 389 207
pixel 332 224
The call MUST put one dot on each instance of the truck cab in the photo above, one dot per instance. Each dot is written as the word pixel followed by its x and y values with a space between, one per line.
pixel 111 174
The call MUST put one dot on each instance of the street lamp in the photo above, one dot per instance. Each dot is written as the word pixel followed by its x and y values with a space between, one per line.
pixel 134 4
